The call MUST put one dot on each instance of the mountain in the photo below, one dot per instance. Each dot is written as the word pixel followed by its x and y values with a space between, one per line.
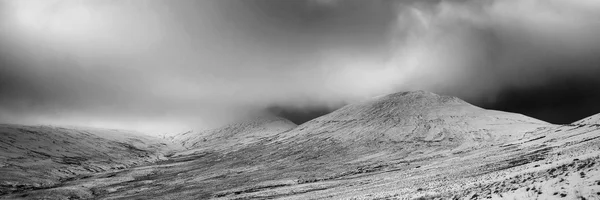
pixel 42 156
pixel 594 119
pixel 235 135
pixel 415 145
pixel 410 122
pixel 390 135
pixel 411 145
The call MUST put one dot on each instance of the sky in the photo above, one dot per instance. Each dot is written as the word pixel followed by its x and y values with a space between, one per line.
pixel 168 66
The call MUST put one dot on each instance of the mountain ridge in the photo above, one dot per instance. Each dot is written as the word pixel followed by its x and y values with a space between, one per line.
pixel 412 109
pixel 246 131
pixel 594 119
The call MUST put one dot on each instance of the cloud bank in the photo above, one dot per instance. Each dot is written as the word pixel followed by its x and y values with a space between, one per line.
pixel 173 65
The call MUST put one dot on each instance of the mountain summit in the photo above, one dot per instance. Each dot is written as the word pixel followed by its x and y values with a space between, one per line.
pixel 418 116
pixel 401 125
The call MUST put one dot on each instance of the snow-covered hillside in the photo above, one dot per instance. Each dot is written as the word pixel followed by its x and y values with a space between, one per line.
pixel 234 136
pixel 409 122
pixel 594 119
pixel 42 156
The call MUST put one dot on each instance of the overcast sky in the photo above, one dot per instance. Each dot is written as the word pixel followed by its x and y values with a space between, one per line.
pixel 175 65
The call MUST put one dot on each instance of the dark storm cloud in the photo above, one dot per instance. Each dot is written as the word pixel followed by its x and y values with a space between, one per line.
pixel 493 52
pixel 562 101
pixel 165 65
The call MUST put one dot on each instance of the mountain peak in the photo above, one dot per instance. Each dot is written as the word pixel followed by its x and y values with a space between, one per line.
pixel 263 120
pixel 420 97
pixel 402 103
pixel 418 116
pixel 414 93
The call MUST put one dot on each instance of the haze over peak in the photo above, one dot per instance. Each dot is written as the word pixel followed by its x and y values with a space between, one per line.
pixel 412 103
pixel 150 65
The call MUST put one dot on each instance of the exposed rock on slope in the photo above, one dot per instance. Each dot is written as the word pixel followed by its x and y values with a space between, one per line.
pixel 234 136
pixel 594 119
pixel 41 156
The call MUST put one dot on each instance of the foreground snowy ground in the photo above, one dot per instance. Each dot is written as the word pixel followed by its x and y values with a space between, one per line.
pixel 401 146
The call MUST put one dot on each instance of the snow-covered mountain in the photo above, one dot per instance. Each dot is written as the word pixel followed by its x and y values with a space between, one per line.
pixel 408 122
pixel 235 135
pixel 43 156
pixel 400 146
pixel 594 119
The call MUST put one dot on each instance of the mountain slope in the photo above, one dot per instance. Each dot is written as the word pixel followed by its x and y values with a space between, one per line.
pixel 235 135
pixel 594 119
pixel 41 156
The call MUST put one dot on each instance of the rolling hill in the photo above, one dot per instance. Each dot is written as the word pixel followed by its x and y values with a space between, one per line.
pixel 412 122
pixel 33 157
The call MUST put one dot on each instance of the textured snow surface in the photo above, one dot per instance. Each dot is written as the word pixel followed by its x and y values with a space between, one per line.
pixel 233 136
pixel 594 119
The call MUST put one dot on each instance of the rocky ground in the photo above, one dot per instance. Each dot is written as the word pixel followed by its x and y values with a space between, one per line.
pixel 415 145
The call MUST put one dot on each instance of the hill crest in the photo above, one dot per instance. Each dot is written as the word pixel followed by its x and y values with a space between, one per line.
pixel 230 135
pixel 416 116
pixel 594 119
